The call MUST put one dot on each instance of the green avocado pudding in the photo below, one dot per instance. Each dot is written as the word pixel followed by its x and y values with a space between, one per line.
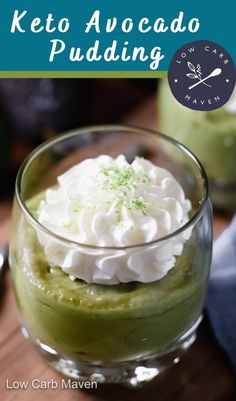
pixel 110 253
pixel 210 135
pixel 109 321
pixel 95 322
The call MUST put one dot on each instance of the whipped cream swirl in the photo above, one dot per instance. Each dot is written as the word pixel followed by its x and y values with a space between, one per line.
pixel 109 202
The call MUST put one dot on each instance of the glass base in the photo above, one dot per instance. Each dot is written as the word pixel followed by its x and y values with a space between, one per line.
pixel 129 373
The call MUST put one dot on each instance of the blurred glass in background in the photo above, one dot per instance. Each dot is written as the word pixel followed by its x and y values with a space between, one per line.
pixel 210 135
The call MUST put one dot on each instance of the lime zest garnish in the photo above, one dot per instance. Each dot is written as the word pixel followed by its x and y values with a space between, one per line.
pixel 139 203
pixel 123 181
pixel 118 177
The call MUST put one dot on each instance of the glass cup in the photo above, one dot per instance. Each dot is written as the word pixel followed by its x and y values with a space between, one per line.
pixel 211 135
pixel 125 333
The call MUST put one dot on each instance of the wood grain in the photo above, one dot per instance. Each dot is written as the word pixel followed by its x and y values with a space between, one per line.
pixel 203 374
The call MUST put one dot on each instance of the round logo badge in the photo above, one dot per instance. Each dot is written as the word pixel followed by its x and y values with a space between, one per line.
pixel 202 75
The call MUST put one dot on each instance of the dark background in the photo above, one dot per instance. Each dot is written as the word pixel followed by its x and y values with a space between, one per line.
pixel 33 110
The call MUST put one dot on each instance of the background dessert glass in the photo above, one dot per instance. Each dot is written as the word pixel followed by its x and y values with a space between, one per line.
pixel 211 136
pixel 124 333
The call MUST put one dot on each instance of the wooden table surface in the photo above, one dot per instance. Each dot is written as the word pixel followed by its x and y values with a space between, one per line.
pixel 203 374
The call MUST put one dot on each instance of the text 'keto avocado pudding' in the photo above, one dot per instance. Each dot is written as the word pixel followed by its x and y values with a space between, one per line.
pixel 106 279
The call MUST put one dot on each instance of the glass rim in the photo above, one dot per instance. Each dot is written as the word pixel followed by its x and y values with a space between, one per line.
pixel 93 129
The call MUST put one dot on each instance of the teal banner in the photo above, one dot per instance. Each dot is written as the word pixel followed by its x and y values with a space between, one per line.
pixel 107 35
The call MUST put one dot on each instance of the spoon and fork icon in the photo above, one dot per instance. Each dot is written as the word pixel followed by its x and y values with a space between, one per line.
pixel 214 73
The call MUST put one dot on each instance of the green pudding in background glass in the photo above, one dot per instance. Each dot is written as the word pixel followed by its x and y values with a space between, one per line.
pixel 110 258
pixel 211 135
